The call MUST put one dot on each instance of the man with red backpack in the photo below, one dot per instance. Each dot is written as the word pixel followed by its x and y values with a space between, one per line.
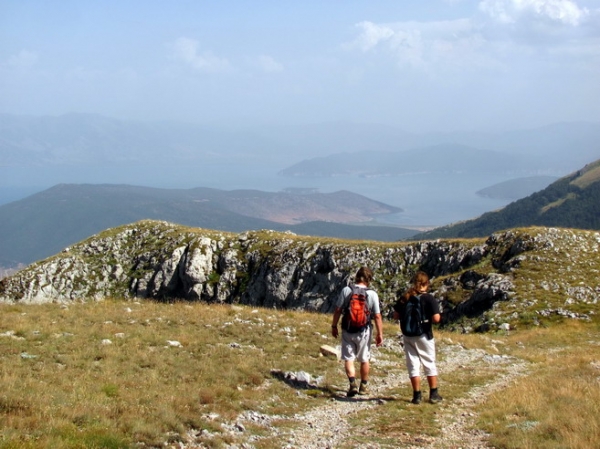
pixel 358 305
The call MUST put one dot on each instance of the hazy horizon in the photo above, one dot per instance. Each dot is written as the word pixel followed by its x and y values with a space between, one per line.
pixel 439 66
pixel 442 66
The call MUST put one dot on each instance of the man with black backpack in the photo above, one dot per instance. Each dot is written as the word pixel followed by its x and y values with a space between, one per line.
pixel 417 310
pixel 358 305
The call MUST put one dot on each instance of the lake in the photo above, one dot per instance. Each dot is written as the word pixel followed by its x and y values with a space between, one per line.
pixel 426 200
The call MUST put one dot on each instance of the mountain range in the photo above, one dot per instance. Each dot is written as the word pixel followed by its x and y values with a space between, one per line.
pixel 84 139
pixel 44 223
pixel 443 158
pixel 573 201
pixel 94 162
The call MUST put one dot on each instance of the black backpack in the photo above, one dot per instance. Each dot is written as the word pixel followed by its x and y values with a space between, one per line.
pixel 412 322
pixel 357 316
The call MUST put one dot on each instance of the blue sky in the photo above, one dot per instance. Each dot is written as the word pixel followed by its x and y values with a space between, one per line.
pixel 439 65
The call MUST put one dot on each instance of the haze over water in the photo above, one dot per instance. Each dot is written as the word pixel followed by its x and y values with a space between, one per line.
pixel 424 67
pixel 427 200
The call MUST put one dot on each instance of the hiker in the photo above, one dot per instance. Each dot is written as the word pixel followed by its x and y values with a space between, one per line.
pixel 357 328
pixel 417 334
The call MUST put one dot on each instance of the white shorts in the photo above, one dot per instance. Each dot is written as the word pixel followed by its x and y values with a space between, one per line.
pixel 420 351
pixel 356 346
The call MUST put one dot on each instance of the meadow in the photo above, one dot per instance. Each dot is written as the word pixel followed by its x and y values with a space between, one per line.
pixel 121 374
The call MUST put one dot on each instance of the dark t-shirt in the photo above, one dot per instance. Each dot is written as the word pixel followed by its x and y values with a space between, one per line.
pixel 431 307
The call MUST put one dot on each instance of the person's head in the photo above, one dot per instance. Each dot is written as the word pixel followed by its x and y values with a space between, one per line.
pixel 420 281
pixel 420 284
pixel 364 275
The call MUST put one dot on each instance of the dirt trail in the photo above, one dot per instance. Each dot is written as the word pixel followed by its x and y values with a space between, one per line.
pixel 327 426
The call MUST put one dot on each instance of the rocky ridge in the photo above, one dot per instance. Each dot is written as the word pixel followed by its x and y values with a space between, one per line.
pixel 521 276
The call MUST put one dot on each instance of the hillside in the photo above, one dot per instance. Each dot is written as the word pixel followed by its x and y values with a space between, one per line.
pixel 43 224
pixel 518 278
pixel 159 335
pixel 180 375
pixel 571 202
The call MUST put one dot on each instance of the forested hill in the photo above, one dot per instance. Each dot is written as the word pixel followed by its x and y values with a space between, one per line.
pixel 571 202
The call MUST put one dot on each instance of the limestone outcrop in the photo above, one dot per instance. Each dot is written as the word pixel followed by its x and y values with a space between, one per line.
pixel 163 261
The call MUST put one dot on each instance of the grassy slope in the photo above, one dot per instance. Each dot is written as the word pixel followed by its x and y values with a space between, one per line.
pixel 64 387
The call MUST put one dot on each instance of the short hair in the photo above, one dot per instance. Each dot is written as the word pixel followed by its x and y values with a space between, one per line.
pixel 364 275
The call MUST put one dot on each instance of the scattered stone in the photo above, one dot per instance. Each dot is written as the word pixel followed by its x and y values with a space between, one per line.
pixel 330 351
pixel 11 334
pixel 300 379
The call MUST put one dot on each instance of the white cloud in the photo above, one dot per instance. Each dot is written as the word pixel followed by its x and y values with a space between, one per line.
pixel 566 12
pixel 24 60
pixel 187 51
pixel 269 64
pixel 425 45
pixel 521 30
pixel 371 35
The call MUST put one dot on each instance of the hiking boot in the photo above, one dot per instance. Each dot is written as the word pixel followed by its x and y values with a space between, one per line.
pixel 353 391
pixel 364 389
pixel 416 397
pixel 434 397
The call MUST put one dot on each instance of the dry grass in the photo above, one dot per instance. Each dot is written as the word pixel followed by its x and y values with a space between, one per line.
pixel 558 404
pixel 63 388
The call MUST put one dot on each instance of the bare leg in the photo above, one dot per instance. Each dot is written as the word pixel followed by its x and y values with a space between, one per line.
pixel 349 365
pixel 364 371
pixel 432 380
pixel 416 383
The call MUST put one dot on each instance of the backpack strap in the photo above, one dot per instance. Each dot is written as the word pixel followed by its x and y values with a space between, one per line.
pixel 422 306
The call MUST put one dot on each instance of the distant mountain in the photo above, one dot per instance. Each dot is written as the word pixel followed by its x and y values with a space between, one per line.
pixel 550 150
pixel 43 224
pixel 447 158
pixel 516 189
pixel 39 152
pixel 84 139
pixel 571 202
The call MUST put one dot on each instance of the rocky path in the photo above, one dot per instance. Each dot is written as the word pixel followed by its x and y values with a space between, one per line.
pixel 331 425
pixel 328 426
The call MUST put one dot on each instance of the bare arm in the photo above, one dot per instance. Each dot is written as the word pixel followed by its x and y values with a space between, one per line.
pixel 334 323
pixel 379 329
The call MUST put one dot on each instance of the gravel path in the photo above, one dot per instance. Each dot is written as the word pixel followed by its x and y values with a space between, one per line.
pixel 327 426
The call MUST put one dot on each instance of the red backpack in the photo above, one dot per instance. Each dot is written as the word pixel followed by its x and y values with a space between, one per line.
pixel 357 316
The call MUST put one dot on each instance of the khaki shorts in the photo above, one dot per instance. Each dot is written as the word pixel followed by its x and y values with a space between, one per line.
pixel 356 346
